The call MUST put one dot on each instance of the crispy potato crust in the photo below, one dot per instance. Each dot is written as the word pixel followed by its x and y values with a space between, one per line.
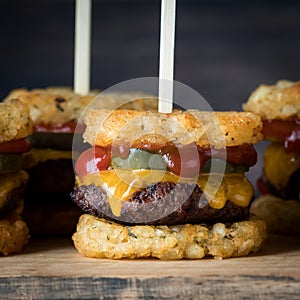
pixel 14 234
pixel 279 101
pixel 58 105
pixel 103 239
pixel 218 129
pixel 281 216
pixel 15 122
pixel 55 105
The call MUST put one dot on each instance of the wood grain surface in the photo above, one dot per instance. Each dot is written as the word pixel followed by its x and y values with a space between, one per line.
pixel 53 269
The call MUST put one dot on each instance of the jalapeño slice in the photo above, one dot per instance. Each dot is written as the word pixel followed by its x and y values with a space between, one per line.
pixel 10 162
pixel 139 159
pixel 216 165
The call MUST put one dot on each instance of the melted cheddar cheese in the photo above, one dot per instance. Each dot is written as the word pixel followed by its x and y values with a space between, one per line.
pixel 120 185
pixel 36 155
pixel 9 182
pixel 279 166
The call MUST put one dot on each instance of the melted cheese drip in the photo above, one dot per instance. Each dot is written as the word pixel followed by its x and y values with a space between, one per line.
pixel 279 166
pixel 9 182
pixel 36 155
pixel 121 184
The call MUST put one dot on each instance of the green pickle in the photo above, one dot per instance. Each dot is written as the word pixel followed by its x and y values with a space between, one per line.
pixel 10 162
pixel 139 159
pixel 53 140
pixel 217 165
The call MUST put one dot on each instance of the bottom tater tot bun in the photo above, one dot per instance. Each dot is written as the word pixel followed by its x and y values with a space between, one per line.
pixel 100 238
pixel 280 215
pixel 14 233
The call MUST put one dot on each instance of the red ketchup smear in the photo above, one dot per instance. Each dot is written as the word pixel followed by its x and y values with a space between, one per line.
pixel 262 188
pixel 68 127
pixel 286 131
pixel 182 160
pixel 16 146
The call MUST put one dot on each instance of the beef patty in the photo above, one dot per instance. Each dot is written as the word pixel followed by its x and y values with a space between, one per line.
pixel 290 191
pixel 186 201
pixel 52 179
pixel 13 199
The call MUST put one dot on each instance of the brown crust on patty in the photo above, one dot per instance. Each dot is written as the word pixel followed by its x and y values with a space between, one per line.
pixel 154 201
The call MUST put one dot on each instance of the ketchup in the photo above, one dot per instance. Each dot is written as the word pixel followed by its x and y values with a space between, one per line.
pixel 68 127
pixel 15 146
pixel 182 160
pixel 286 131
pixel 238 155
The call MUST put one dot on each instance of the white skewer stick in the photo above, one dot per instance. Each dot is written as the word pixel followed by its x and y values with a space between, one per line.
pixel 82 47
pixel 166 56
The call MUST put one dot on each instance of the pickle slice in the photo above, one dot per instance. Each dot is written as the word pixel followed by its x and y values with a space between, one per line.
pixel 53 140
pixel 10 162
pixel 139 159
pixel 217 165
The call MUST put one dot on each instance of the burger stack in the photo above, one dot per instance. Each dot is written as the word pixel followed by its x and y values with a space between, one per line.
pixel 170 186
pixel 279 107
pixel 54 112
pixel 15 126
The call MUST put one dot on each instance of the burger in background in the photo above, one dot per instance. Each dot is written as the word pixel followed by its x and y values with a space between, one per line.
pixel 54 111
pixel 15 126
pixel 279 203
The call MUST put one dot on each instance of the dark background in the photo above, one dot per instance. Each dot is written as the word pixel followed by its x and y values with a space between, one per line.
pixel 224 49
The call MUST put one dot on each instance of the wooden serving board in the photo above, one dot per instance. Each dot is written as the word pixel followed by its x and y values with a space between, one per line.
pixel 53 269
